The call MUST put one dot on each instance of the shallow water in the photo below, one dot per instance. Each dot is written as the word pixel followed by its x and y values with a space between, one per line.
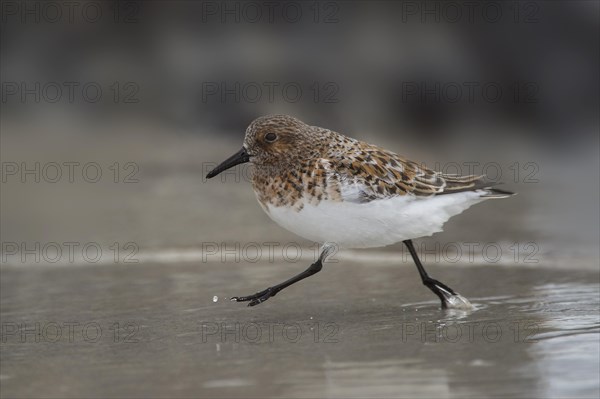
pixel 350 331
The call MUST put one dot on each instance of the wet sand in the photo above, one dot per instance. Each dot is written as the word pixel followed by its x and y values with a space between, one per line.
pixel 363 327
pixel 155 330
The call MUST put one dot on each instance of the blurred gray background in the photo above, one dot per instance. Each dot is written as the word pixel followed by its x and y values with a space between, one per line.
pixel 180 83
pixel 153 94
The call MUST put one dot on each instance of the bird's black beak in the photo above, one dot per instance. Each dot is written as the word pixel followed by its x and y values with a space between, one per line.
pixel 239 157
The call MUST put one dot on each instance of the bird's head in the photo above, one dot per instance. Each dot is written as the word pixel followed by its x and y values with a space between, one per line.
pixel 272 141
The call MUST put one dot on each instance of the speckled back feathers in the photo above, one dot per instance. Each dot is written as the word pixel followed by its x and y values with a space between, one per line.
pixel 309 164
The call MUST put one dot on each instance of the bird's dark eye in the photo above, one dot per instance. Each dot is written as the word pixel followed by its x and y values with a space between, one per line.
pixel 270 137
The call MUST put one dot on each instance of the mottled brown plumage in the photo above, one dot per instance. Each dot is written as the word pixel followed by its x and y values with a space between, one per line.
pixel 310 163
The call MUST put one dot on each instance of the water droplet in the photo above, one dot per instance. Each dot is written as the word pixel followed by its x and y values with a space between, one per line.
pixel 215 298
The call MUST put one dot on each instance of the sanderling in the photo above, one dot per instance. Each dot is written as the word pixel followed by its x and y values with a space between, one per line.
pixel 338 191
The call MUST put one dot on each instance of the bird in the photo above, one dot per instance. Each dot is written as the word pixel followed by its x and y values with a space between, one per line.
pixel 345 193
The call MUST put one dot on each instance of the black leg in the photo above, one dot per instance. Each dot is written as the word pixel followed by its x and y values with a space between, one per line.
pixel 263 295
pixel 445 293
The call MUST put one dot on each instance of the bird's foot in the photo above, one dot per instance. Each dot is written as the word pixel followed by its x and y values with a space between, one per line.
pixel 257 298
pixel 458 302
pixel 449 298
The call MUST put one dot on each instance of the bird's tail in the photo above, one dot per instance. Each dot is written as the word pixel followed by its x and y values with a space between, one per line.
pixel 478 183
pixel 489 192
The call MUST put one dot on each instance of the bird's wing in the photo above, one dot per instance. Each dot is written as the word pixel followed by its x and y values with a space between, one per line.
pixel 371 173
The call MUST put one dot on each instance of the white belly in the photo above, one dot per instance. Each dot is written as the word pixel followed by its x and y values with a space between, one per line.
pixel 374 224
